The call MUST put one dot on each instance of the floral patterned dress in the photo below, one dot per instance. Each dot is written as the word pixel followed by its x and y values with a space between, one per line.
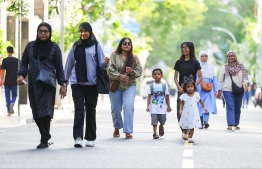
pixel 190 115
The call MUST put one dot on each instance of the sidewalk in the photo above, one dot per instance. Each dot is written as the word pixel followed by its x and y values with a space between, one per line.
pixel 66 112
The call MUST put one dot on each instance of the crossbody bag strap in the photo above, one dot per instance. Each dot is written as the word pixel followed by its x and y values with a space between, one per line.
pixel 230 76
pixel 96 56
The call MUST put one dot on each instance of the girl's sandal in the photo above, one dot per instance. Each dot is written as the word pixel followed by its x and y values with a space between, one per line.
pixel 185 136
pixel 190 140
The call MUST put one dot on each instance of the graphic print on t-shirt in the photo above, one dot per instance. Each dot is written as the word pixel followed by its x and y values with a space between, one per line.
pixel 158 96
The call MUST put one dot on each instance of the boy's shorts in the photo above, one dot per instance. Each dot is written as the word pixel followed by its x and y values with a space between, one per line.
pixel 155 118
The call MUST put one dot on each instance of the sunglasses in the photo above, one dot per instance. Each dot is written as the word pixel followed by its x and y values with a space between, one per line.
pixel 127 43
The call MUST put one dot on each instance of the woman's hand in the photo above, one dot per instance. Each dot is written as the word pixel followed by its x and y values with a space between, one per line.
pixel 63 90
pixel 218 94
pixel 129 70
pixel 20 80
pixel 180 89
pixel 124 77
pixel 106 60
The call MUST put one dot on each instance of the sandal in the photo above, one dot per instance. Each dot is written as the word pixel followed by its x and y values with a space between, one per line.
pixel 116 133
pixel 155 136
pixel 190 140
pixel 161 130
pixel 185 136
pixel 128 136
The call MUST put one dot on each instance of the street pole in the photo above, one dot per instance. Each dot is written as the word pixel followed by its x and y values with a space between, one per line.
pixel 259 23
pixel 62 40
pixel 19 48
pixel 237 15
pixel 229 33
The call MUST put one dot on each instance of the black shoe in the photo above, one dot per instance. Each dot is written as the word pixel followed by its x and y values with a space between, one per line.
pixel 43 145
pixel 206 125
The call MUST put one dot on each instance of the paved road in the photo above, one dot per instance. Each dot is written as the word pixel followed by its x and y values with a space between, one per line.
pixel 213 148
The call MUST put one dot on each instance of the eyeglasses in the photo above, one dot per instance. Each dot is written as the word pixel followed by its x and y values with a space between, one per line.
pixel 43 31
pixel 127 43
pixel 231 56
pixel 184 48
pixel 204 56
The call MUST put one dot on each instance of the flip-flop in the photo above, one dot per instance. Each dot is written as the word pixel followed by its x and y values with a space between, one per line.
pixel 161 131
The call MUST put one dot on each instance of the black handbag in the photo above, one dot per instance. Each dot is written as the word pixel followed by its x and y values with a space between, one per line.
pixel 236 90
pixel 102 79
pixel 45 77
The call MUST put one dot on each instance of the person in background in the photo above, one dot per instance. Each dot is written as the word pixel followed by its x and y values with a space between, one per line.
pixel 124 96
pixel 233 101
pixel 41 98
pixel 208 97
pixel 158 103
pixel 247 94
pixel 80 70
pixel 186 66
pixel 10 65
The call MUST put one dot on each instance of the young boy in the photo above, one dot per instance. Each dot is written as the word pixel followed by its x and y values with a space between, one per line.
pixel 158 102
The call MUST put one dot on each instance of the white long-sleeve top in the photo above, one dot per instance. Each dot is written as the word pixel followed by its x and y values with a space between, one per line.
pixel 225 82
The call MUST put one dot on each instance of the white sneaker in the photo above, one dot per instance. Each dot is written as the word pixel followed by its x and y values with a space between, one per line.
pixel 78 142
pixel 90 143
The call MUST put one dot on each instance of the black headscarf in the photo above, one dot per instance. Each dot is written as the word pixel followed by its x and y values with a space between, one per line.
pixel 80 55
pixel 43 48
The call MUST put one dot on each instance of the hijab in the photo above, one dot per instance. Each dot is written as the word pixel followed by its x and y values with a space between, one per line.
pixel 207 69
pixel 234 67
pixel 43 48
pixel 80 54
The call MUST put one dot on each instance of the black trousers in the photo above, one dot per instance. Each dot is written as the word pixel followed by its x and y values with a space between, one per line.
pixel 178 108
pixel 85 101
pixel 43 124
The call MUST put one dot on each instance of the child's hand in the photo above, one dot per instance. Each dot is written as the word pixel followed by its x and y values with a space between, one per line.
pixel 169 109
pixel 147 109
pixel 205 109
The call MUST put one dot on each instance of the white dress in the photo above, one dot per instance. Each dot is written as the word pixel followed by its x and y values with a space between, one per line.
pixel 190 115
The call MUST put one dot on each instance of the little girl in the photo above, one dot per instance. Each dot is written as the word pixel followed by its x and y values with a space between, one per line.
pixel 189 111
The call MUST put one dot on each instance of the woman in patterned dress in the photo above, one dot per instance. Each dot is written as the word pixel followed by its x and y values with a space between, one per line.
pixel 41 98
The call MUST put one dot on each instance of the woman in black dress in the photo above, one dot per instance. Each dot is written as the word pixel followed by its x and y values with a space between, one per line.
pixel 41 97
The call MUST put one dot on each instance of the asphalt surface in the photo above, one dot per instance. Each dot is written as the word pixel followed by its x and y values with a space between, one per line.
pixel 214 147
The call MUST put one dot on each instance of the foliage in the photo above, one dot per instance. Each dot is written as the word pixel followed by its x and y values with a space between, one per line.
pixel 3 45
pixel 18 7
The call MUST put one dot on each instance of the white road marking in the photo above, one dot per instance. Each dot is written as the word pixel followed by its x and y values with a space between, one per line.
pixel 188 161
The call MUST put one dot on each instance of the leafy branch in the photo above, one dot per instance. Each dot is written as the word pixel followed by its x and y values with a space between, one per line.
pixel 18 7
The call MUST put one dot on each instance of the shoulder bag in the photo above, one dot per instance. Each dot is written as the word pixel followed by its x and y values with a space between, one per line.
pixel 115 83
pixel 236 90
pixel 46 77
pixel 207 87
pixel 102 79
